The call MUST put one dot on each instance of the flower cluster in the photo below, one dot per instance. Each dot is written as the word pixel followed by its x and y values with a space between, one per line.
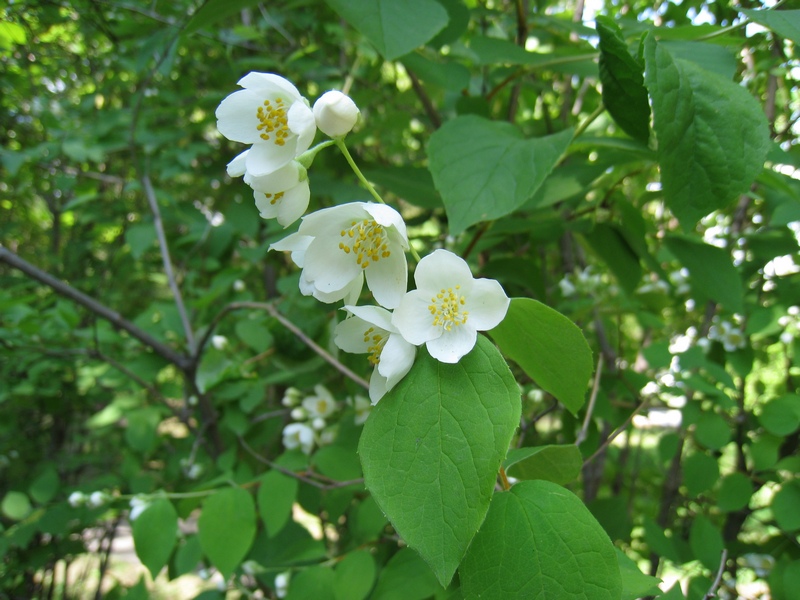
pixel 311 414
pixel 340 248
pixel 791 325
pixel 728 334
pixel 583 282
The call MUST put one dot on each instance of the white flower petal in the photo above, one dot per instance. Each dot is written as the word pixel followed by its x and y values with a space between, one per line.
pixel 265 158
pixel 487 304
pixel 237 168
pixel 269 83
pixel 413 319
pixel 296 244
pixel 349 294
pixel 236 117
pixel 293 204
pixel 301 122
pixel 388 217
pixel 377 386
pixel 333 218
pixel 442 269
pixel 387 279
pixel 349 335
pixel 328 267
pixel 397 358
pixel 374 315
pixel 453 344
pixel 279 180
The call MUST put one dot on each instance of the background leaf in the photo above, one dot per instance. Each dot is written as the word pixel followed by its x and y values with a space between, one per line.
pixel 537 338
pixel 154 534
pixel 435 442
pixel 486 169
pixel 559 464
pixel 227 527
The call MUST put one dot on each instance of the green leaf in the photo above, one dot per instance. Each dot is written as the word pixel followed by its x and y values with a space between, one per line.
pixel 786 23
pixel 227 527
pixel 405 577
pixel 154 534
pixel 412 184
pixel 214 11
pixel 635 584
pixel 700 473
pixel 709 57
pixel 354 576
pixel 735 491
pixel 706 543
pixel 449 75
pixel 276 495
pixel 610 244
pixel 16 506
pixel 559 464
pixel 187 556
pixel 550 349
pixel 784 506
pixel 432 447
pixel 781 416
pixel 139 238
pixel 712 275
pixel 540 541
pixel 45 486
pixel 712 134
pixel 624 94
pixel 315 582
pixel 486 169
pixel 712 431
pixel 394 28
pixel 142 430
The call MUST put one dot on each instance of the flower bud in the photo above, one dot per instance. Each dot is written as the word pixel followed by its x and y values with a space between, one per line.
pixel 335 113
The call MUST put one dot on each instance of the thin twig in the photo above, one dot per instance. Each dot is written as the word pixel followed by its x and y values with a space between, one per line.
pixel 592 398
pixel 430 108
pixel 617 431
pixel 165 257
pixel 182 362
pixel 712 591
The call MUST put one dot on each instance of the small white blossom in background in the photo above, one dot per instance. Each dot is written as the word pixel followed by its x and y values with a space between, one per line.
pixel 77 499
pixel 138 505
pixel 584 282
pixel 659 286
pixel 335 113
pixel 298 435
pixel 220 342
pixel 291 397
pixel 282 195
pixel 791 325
pixel 97 499
pixel 270 114
pixel 338 247
pixel 328 435
pixel 239 286
pixel 370 331
pixel 728 334
pixel 322 404
pixel 680 281
pixel 362 407
pixel 449 307
pixel 282 584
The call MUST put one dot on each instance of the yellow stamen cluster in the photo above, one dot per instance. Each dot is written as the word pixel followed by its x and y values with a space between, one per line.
pixel 367 240
pixel 446 308
pixel 378 341
pixel 273 120
pixel 273 198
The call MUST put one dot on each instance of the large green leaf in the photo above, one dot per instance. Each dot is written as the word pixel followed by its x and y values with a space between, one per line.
pixel 155 533
pixel 549 347
pixel 276 494
pixel 540 541
pixel 635 584
pixel 486 169
pixel 395 28
pixel 227 527
pixel 712 275
pixel 624 94
pixel 712 134
pixel 785 23
pixel 559 464
pixel 432 447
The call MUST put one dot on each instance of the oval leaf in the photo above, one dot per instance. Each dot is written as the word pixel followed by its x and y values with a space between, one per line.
pixel 486 169
pixel 227 527
pixel 432 447
pixel 550 349
pixel 540 541
pixel 154 534
pixel 276 494
pixel 559 464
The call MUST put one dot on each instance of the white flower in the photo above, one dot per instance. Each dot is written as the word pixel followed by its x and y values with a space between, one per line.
pixel 239 285
pixel 138 505
pixel 370 331
pixel 282 584
pixel 787 337
pixel 291 397
pixel 220 342
pixel 298 414
pixel 97 499
pixel 318 423
pixel 363 407
pixel 449 307
pixel 283 194
pixel 337 247
pixel 335 113
pixel 567 288
pixel 77 499
pixel 270 114
pixel 298 435
pixel 321 405
pixel 328 435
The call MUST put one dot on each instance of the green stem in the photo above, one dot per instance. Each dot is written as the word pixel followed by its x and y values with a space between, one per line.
pixel 343 147
pixel 589 120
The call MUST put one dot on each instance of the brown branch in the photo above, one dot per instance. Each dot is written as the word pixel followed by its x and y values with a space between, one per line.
pixel 184 363
pixel 430 109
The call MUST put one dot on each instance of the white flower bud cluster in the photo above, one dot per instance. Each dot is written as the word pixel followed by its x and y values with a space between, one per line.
pixel 92 500
pixel 791 325
pixel 310 414
pixel 728 333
